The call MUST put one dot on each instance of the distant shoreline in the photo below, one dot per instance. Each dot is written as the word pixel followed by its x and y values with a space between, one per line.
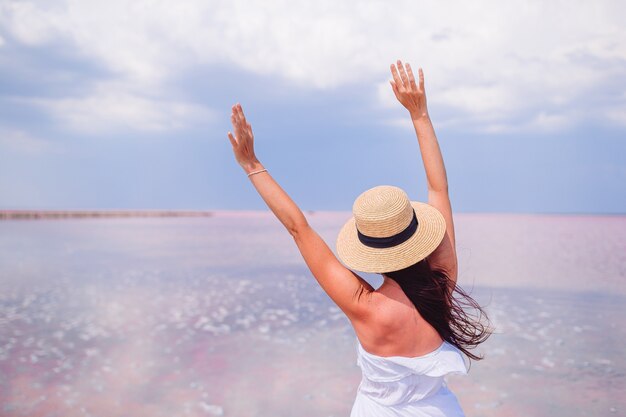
pixel 61 214
pixel 116 213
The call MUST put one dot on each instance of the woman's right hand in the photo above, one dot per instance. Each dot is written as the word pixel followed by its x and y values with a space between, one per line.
pixel 408 93
pixel 243 140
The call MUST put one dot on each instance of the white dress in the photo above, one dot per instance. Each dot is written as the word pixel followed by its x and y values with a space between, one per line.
pixel 399 386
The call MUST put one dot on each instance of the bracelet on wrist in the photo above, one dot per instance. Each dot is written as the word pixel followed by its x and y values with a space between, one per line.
pixel 256 172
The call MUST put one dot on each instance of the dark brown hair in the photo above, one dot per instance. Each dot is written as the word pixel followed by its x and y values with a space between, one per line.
pixel 445 309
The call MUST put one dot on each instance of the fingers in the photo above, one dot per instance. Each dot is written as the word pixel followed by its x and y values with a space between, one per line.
pixel 243 129
pixel 233 120
pixel 238 119
pixel 411 77
pixel 232 140
pixel 237 113
pixel 236 122
pixel 241 116
pixel 394 87
pixel 405 78
pixel 396 76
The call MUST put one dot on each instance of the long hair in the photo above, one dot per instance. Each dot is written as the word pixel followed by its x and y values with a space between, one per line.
pixel 445 309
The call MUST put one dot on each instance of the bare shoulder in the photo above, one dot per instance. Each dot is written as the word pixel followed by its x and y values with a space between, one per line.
pixel 384 315
pixel 395 329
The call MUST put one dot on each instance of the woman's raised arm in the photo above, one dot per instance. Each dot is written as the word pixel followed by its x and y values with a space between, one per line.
pixel 413 97
pixel 341 284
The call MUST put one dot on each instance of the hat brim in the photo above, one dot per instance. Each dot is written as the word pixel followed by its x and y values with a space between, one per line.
pixel 430 231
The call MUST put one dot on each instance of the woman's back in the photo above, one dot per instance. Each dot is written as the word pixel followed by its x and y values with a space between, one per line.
pixel 396 328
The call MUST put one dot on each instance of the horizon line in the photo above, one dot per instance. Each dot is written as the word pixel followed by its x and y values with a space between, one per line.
pixel 30 214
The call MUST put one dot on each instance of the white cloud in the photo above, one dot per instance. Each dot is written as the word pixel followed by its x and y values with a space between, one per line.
pixel 487 63
pixel 27 22
pixel 114 106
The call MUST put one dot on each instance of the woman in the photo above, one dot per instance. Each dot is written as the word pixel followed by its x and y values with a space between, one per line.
pixel 411 330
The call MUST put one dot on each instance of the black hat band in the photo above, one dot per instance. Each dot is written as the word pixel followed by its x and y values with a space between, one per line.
pixel 388 242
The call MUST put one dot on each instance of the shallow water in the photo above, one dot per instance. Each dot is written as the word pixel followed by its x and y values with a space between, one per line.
pixel 219 316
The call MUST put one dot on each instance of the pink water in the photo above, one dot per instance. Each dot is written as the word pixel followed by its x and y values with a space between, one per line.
pixel 219 316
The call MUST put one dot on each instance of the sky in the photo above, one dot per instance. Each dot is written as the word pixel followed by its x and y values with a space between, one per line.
pixel 126 105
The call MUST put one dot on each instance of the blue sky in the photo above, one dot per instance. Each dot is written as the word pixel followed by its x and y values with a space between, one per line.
pixel 123 104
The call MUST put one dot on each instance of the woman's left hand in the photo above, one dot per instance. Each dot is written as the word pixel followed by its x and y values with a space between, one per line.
pixel 243 141
pixel 411 95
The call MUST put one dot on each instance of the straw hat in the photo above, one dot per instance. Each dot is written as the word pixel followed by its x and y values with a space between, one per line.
pixel 388 231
